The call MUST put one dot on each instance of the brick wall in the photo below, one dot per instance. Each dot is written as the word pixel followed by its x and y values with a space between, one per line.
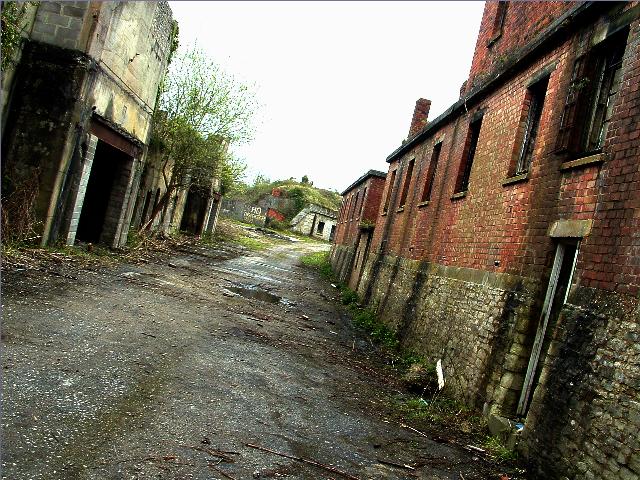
pixel 350 217
pixel 462 276
pixel 522 24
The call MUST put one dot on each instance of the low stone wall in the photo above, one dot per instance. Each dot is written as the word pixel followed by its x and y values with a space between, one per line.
pixel 585 411
pixel 477 322
pixel 587 404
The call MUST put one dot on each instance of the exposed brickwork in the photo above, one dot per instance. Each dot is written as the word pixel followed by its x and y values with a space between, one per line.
pixel 351 217
pixel 462 276
pixel 522 23
pixel 420 116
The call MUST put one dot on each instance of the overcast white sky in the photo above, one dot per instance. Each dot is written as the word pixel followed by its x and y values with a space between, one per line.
pixel 337 80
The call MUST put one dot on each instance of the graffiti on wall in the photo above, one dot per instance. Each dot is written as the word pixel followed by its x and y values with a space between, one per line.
pixel 253 214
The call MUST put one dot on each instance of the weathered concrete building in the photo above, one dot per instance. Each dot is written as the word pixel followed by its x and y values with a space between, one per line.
pixel 507 242
pixel 79 115
pixel 356 222
pixel 315 221
pixel 193 207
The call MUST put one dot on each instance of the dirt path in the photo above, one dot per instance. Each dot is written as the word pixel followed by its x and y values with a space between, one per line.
pixel 169 369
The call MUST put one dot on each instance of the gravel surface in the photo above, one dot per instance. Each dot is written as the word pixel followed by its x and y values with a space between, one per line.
pixel 169 369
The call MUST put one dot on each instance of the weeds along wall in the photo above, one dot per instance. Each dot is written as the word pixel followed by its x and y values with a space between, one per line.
pixel 462 269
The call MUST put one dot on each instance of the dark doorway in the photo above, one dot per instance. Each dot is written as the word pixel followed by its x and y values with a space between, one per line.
pixel 109 167
pixel 195 210
pixel 332 233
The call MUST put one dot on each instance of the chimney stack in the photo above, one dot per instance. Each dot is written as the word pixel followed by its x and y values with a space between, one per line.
pixel 420 114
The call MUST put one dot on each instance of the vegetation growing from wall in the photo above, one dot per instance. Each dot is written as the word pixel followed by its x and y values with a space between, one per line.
pixel 12 14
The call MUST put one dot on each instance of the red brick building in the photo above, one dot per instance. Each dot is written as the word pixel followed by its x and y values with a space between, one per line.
pixel 356 220
pixel 508 241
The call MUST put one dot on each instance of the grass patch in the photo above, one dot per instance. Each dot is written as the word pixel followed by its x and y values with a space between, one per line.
pixel 319 261
pixel 232 231
pixel 255 244
pixel 498 451
pixel 438 409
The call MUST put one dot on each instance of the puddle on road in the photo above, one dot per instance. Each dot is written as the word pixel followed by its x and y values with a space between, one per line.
pixel 256 294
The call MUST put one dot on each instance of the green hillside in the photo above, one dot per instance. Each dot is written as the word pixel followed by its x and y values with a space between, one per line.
pixel 303 194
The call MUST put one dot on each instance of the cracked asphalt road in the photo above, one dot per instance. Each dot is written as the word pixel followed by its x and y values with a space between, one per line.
pixel 169 369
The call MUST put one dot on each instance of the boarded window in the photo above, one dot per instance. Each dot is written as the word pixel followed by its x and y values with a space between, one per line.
pixel 498 22
pixel 364 195
pixel 355 205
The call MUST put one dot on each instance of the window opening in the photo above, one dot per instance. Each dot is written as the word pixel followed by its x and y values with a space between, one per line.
pixel 535 96
pixel 364 194
pixel 387 200
pixel 407 182
pixel 431 172
pixel 595 81
pixel 468 156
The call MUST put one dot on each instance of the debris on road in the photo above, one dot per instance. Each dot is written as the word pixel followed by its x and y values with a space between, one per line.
pixel 329 468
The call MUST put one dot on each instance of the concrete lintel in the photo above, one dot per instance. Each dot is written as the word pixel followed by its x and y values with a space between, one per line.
pixel 570 228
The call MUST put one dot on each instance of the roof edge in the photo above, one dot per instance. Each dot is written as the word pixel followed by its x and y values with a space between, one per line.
pixel 560 25
pixel 370 173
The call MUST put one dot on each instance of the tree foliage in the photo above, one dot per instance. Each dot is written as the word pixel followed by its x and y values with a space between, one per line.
pixel 201 111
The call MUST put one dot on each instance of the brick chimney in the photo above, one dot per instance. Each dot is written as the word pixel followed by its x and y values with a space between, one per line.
pixel 420 114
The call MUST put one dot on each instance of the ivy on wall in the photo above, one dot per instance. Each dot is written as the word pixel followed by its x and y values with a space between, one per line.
pixel 12 14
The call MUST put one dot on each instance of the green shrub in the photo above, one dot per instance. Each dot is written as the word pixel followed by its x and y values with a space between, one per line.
pixel 348 296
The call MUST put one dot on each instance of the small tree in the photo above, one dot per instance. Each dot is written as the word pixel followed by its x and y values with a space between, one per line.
pixel 305 179
pixel 201 111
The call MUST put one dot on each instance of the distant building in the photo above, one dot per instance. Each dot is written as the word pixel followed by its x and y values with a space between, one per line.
pixel 315 221
pixel 78 117
pixel 507 242
pixel 356 221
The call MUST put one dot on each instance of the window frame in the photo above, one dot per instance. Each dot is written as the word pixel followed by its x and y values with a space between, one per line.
pixel 431 172
pixel 577 123
pixel 387 200
pixel 468 154
pixel 407 182
pixel 534 104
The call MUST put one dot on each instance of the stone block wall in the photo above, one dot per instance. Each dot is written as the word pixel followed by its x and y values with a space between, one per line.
pixel 61 24
pixel 470 319
pixel 587 403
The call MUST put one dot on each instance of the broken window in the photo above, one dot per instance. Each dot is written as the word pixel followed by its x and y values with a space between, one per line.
pixel 468 155
pixel 534 101
pixel 407 182
pixel 320 228
pixel 595 81
pixel 387 200
pixel 431 172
